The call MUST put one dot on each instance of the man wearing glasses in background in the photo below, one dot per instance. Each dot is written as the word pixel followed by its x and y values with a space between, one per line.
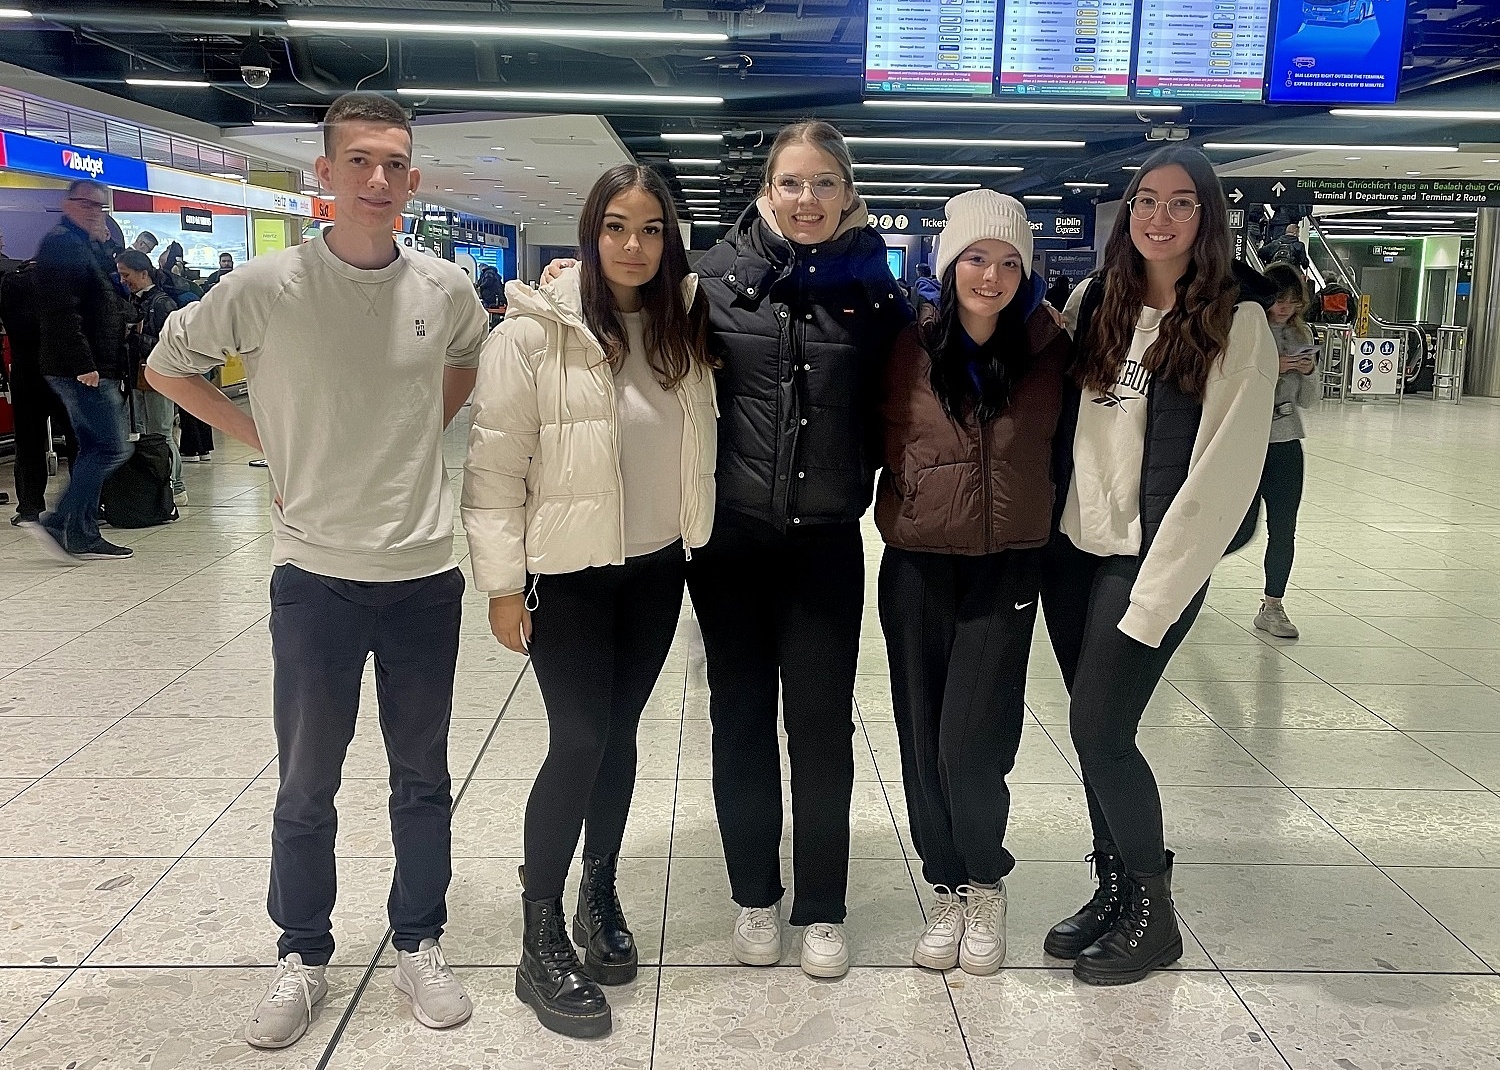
pixel 83 320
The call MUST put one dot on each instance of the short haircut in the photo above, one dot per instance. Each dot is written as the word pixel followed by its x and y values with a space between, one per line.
pixel 361 108
pixel 87 183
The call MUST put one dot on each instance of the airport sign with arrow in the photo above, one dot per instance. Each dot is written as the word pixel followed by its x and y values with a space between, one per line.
pixel 1365 192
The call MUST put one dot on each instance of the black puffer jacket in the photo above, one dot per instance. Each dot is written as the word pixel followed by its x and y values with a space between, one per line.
pixel 804 333
pixel 83 313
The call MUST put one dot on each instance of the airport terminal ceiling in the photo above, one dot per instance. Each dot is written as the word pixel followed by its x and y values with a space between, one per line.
pixel 730 71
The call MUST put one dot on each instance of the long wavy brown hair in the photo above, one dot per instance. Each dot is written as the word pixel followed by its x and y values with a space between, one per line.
pixel 1195 331
pixel 676 335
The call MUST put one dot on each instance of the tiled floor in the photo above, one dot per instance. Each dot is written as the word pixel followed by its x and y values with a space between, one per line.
pixel 1333 803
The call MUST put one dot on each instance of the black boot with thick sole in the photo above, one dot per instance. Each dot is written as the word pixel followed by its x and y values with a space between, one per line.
pixel 1143 940
pixel 1069 937
pixel 550 980
pixel 609 954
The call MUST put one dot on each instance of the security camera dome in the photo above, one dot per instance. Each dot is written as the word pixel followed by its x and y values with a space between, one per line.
pixel 255 65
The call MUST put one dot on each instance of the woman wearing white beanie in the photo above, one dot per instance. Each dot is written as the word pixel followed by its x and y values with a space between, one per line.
pixel 971 401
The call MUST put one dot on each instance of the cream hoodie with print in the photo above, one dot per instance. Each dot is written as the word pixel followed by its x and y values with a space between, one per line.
pixel 542 486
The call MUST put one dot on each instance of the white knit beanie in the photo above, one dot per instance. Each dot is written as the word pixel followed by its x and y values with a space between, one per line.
pixel 980 214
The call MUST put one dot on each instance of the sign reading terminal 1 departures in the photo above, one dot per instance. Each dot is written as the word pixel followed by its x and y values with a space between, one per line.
pixel 1364 192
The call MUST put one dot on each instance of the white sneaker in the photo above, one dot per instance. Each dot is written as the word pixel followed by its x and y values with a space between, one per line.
pixel 757 935
pixel 438 999
pixel 983 947
pixel 937 947
pixel 286 1011
pixel 824 953
pixel 1273 619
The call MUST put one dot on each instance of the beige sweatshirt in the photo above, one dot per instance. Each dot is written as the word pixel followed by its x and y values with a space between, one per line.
pixel 345 371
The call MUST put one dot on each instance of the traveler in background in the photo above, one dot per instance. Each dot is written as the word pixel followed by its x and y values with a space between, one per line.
pixel 83 322
pixel 358 354
pixel 965 505
pixel 1281 479
pixel 153 413
pixel 491 291
pixel 226 265
pixel 145 242
pixel 1157 460
pixel 590 473
pixel 803 312
pixel 177 276
pixel 927 287
pixel 1286 249
pixel 1058 293
pixel 7 263
pixel 33 401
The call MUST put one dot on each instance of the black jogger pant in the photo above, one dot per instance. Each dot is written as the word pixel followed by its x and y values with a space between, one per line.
pixel 322 632
pixel 1110 678
pixel 197 439
pixel 598 642
pixel 782 608
pixel 958 636
pixel 1281 490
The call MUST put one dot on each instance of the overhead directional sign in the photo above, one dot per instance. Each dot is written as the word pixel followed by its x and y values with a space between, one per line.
pixel 1365 192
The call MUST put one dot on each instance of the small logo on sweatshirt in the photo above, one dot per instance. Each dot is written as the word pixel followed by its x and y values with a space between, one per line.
pixel 421 326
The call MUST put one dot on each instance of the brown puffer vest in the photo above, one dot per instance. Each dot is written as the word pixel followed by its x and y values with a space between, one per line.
pixel 959 488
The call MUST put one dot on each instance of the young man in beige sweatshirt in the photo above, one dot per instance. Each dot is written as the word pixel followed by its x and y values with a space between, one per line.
pixel 358 354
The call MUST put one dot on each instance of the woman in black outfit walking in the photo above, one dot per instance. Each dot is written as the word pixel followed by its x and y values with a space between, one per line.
pixel 802 312
pixel 1158 458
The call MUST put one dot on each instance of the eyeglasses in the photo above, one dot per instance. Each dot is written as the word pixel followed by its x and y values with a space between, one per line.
pixel 824 187
pixel 88 201
pixel 1179 209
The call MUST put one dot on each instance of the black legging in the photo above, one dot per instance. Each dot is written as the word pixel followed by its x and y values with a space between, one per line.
pixel 1281 490
pixel 1109 677
pixel 599 639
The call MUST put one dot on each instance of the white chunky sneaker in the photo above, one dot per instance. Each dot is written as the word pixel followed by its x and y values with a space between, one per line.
pixel 824 953
pixel 1273 619
pixel 438 999
pixel 286 1011
pixel 757 935
pixel 983 947
pixel 937 947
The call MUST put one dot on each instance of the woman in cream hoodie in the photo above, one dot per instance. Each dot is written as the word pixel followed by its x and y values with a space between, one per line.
pixel 590 478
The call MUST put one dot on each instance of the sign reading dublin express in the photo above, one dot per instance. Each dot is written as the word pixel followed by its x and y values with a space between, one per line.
pixel 1364 192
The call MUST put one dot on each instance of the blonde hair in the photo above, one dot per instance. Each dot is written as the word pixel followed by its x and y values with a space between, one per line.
pixel 820 135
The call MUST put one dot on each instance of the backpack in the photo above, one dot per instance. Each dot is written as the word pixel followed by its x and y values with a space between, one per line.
pixel 139 493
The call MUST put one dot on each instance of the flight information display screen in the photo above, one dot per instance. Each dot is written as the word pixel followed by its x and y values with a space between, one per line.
pixel 1075 48
pixel 930 47
pixel 1337 51
pixel 1202 49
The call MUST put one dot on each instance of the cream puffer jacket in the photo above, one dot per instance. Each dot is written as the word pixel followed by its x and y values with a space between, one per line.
pixel 542 488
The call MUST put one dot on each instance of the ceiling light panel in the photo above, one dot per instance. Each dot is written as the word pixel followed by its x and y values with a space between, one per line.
pixel 971 142
pixel 564 97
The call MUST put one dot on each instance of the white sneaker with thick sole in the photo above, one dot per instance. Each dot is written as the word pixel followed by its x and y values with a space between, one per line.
pixel 1273 619
pixel 286 1011
pixel 757 935
pixel 937 947
pixel 824 952
pixel 438 999
pixel 983 947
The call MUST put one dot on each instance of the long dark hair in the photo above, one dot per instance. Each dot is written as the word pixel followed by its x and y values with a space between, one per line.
pixel 676 335
pixel 1195 331
pixel 984 381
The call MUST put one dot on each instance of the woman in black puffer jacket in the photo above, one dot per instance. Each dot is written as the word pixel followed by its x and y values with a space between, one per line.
pixel 803 313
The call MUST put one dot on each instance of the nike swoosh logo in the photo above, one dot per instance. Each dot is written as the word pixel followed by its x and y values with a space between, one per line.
pixel 1024 605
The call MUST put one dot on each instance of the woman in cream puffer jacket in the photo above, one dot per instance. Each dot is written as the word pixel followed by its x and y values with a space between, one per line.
pixel 589 481
pixel 542 492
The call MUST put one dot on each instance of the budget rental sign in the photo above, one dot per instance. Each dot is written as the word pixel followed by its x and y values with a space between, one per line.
pixel 39 157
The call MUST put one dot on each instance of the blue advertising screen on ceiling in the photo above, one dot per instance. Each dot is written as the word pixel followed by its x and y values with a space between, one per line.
pixel 1337 51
